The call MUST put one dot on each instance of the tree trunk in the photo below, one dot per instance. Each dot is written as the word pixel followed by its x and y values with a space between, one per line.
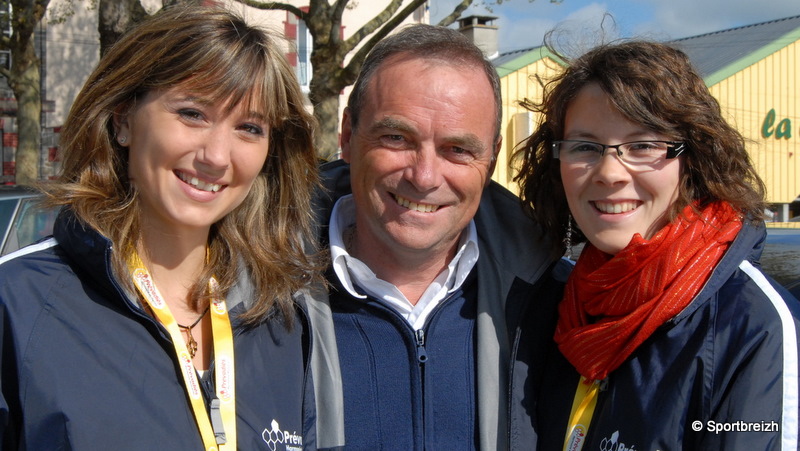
pixel 326 140
pixel 114 18
pixel 29 109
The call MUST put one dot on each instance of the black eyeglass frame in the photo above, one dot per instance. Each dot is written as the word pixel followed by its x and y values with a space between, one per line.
pixel 674 148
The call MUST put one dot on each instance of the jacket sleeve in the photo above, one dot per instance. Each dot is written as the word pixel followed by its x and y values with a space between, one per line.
pixel 754 401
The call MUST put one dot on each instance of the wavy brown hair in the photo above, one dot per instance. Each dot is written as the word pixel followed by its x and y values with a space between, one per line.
pixel 651 84
pixel 211 52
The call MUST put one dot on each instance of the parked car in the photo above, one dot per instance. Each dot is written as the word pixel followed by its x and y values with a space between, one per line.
pixel 794 288
pixel 22 220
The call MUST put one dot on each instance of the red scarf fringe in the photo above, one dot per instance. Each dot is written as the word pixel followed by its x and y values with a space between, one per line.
pixel 614 303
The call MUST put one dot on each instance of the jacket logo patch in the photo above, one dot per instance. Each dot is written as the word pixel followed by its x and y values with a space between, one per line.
pixel 276 439
pixel 613 444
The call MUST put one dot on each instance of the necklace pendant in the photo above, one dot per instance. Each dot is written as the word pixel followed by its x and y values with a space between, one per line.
pixel 191 344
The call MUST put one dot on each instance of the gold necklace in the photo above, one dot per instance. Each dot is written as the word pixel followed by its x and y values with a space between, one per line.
pixel 191 343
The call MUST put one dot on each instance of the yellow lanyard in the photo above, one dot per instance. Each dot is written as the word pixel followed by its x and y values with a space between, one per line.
pixel 219 431
pixel 581 415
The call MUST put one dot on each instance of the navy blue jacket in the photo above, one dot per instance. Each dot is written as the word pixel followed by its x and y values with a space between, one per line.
pixel 84 368
pixel 721 375
pixel 413 390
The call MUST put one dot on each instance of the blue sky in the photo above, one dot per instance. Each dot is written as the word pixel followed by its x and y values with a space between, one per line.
pixel 523 23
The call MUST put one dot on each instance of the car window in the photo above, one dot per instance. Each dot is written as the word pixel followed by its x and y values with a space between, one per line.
pixel 6 213
pixel 31 224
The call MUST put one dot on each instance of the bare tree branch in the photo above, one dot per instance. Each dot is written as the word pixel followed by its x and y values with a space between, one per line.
pixel 275 5
pixel 381 19
pixel 336 18
pixel 355 62
pixel 460 8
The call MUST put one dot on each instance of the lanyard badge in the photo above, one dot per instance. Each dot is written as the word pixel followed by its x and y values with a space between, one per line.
pixel 581 414
pixel 218 430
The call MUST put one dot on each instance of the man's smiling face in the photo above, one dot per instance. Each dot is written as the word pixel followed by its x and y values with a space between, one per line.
pixel 421 154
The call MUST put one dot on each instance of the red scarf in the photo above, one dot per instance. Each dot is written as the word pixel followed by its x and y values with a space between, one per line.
pixel 613 303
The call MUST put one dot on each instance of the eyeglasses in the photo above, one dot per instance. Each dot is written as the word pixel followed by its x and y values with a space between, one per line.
pixel 634 153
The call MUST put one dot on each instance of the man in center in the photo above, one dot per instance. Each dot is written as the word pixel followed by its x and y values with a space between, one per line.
pixel 432 263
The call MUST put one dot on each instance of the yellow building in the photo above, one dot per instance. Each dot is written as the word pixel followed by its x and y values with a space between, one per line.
pixel 522 76
pixel 753 71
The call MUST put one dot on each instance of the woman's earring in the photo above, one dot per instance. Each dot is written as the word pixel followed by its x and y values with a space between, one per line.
pixel 122 139
pixel 568 238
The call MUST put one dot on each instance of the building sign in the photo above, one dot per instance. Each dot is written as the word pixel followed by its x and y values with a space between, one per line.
pixel 783 130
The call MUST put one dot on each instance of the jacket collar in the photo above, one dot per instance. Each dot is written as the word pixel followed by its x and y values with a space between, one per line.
pixel 86 249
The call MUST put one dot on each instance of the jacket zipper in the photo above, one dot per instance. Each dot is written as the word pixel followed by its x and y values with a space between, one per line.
pixel 422 355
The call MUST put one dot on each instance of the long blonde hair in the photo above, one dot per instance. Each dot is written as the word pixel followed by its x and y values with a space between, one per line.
pixel 212 52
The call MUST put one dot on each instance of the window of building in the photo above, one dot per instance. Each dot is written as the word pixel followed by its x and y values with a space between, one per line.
pixel 304 47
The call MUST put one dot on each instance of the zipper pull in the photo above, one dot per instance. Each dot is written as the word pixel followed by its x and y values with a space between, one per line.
pixel 422 356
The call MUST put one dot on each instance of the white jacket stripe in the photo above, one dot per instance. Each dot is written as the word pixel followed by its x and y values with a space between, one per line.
pixel 48 243
pixel 789 423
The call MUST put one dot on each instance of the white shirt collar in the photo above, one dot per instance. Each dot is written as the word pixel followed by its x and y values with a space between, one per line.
pixel 352 271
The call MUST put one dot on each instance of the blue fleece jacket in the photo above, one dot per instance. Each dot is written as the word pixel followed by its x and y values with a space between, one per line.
pixel 413 390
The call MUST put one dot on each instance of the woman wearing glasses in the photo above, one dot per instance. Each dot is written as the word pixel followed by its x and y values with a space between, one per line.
pixel 668 336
